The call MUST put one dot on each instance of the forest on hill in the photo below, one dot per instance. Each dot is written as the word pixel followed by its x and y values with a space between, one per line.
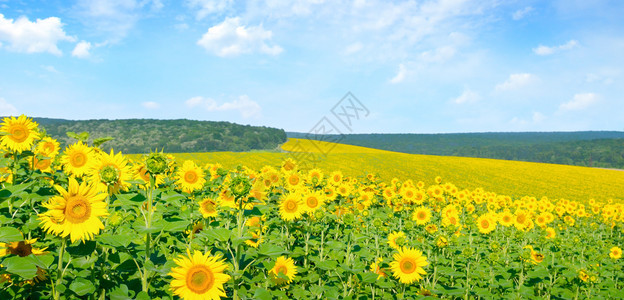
pixel 143 135
pixel 604 149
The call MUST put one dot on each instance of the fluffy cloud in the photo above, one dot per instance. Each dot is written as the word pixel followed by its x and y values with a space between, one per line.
pixel 82 50
pixel 7 108
pixel 400 76
pixel 230 38
pixel 579 102
pixel 150 105
pixel 521 13
pixel 516 81
pixel 43 35
pixel 245 106
pixel 207 7
pixel 467 96
pixel 545 50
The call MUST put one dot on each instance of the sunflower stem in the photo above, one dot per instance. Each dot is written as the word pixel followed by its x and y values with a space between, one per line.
pixel 148 235
pixel 59 270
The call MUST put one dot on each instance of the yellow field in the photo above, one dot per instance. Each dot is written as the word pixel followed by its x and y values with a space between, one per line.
pixel 510 178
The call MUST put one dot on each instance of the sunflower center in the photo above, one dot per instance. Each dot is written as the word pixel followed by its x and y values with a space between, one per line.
pixel 22 249
pixel 293 180
pixel 199 279
pixel 19 133
pixel 421 215
pixel 110 174
pixel 408 266
pixel 48 147
pixel 78 159
pixel 77 210
pixel 282 269
pixel 291 206
pixel 43 164
pixel 312 202
pixel 485 223
pixel 521 219
pixel 190 177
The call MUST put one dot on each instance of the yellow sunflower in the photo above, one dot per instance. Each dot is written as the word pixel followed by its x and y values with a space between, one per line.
pixel 335 178
pixel 190 177
pixel 77 159
pixel 41 164
pixel 20 248
pixel 486 223
pixel 550 233
pixel 615 252
pixel 291 208
pixel 375 268
pixel 199 276
pixel 76 212
pixel 506 218
pixel 19 133
pixel 140 173
pixel 111 172
pixel 48 147
pixel 408 265
pixel 421 215
pixel 6 175
pixel 313 201
pixel 284 266
pixel 396 239
pixel 208 208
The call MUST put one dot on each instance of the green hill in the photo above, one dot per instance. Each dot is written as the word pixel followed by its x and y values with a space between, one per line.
pixel 143 135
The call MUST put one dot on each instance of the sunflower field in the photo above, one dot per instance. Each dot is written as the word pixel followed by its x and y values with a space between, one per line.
pixel 81 223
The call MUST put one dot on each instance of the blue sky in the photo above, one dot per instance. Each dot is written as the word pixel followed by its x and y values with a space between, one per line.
pixel 416 66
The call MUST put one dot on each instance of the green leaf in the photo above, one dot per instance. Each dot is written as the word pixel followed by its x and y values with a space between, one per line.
pixel 120 293
pixel 175 226
pixel 367 277
pixel 10 234
pixel 218 234
pixel 81 286
pixel 262 294
pixel 327 265
pixel 82 249
pixel 143 296
pixel 21 266
pixel 117 240
pixel 270 250
pixel 99 141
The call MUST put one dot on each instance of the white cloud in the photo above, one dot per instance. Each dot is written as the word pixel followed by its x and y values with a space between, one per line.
pixel 353 48
pixel 207 7
pixel 230 38
pixel 6 108
pixel 150 105
pixel 43 35
pixel 467 96
pixel 439 55
pixel 521 13
pixel 545 50
pixel 579 102
pixel 538 117
pixel 245 106
pixel 50 69
pixel 82 50
pixel 400 76
pixel 114 18
pixel 516 81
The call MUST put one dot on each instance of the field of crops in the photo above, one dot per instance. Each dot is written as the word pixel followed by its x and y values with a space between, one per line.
pixel 324 221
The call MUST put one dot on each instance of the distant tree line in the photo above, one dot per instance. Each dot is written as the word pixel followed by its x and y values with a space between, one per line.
pixel 604 149
pixel 172 136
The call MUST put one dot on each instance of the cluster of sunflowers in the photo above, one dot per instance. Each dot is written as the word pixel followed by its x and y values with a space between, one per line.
pixel 155 228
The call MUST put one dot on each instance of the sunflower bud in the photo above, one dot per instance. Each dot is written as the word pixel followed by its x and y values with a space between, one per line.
pixel 109 175
pixel 156 163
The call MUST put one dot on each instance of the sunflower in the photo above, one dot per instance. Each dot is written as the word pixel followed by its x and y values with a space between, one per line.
pixel 284 266
pixel 421 215
pixel 486 223
pixel 315 176
pixel 550 233
pixel 75 212
pixel 197 228
pixel 208 208
pixel 335 178
pixel 111 172
pixel 615 252
pixel 199 276
pixel 255 240
pixel 293 180
pixel 77 159
pixel 140 173
pixel 313 201
pixel 20 248
pixel 408 265
pixel 6 175
pixel 42 164
pixel 48 147
pixel 19 133
pixel 377 269
pixel 291 208
pixel 583 275
pixel 190 177
pixel 396 239
pixel 506 218
pixel 289 165
pixel 431 228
